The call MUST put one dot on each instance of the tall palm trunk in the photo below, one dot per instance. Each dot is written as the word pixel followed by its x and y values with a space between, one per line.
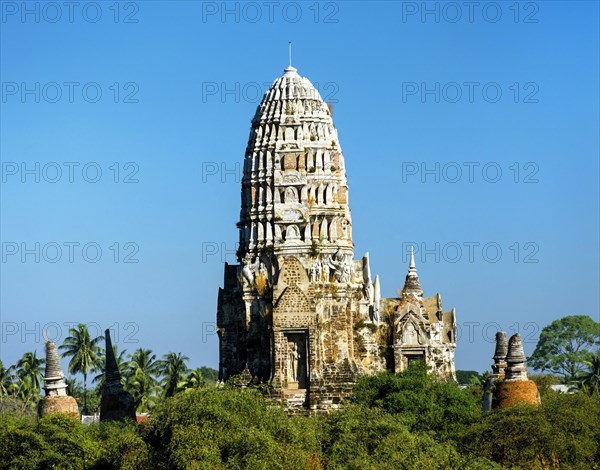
pixel 85 409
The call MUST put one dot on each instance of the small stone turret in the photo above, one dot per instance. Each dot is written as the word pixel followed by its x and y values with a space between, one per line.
pixel 516 388
pixel 116 403
pixel 56 399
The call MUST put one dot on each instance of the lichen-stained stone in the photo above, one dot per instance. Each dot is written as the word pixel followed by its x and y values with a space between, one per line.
pixel 298 311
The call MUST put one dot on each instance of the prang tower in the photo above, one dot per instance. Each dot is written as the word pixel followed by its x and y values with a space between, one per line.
pixel 298 311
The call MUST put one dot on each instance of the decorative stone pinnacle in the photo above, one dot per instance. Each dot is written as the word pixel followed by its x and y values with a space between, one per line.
pixel 111 371
pixel 501 347
pixel 500 353
pixel 412 285
pixel 515 355
pixel 377 289
pixel 54 378
pixel 515 358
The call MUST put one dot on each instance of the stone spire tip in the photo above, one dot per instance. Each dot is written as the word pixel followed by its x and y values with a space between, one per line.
pixel 111 368
pixel 412 285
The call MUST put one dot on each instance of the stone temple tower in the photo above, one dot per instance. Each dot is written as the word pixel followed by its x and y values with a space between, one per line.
pixel 298 312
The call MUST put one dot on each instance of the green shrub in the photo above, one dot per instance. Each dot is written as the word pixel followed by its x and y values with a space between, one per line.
pixel 229 428
pixel 419 400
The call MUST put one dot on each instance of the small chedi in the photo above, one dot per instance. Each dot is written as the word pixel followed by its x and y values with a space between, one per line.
pixel 298 311
pixel 55 388
pixel 116 403
pixel 508 384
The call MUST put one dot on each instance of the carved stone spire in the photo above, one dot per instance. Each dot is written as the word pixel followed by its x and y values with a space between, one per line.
pixel 112 373
pixel 412 285
pixel 515 359
pixel 500 353
pixel 54 379
pixel 116 403
pixel 294 186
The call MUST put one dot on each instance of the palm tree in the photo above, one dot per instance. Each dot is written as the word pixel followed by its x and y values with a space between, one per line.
pixel 6 380
pixel 590 381
pixel 84 353
pixel 29 375
pixel 121 364
pixel 195 379
pixel 173 368
pixel 141 380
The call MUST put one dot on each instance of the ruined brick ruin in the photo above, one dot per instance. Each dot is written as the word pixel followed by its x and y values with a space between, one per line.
pixel 508 384
pixel 298 311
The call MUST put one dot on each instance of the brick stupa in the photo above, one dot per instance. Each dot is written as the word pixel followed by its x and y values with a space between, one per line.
pixel 55 388
pixel 515 388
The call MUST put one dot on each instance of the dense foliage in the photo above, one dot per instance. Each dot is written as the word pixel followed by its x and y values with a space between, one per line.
pixel 404 421
pixel 566 346
pixel 148 379
pixel 409 420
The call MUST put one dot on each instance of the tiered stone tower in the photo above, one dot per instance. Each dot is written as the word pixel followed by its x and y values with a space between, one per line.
pixel 298 311
pixel 56 399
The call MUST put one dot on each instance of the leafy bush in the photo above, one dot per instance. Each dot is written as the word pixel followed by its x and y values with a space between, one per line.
pixel 562 432
pixel 419 400
pixel 229 428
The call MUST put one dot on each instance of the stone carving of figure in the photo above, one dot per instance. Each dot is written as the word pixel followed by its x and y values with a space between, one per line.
pixel 340 267
pixel 250 270
pixel 410 335
pixel 314 271
pixel 263 271
pixel 294 360
pixel 319 270
pixel 345 276
pixel 247 273
pixel 325 267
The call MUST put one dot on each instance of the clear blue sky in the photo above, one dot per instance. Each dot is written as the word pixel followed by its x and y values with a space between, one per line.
pixel 183 62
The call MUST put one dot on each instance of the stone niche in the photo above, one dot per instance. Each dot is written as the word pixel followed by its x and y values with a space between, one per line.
pixel 296 359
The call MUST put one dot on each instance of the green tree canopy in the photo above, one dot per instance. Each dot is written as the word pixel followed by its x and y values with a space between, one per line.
pixel 565 345
pixel 173 367
pixel 141 378
pixel 84 352
pixel 420 400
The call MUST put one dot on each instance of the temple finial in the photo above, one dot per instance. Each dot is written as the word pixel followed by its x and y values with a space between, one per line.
pixel 412 285
pixel 290 51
